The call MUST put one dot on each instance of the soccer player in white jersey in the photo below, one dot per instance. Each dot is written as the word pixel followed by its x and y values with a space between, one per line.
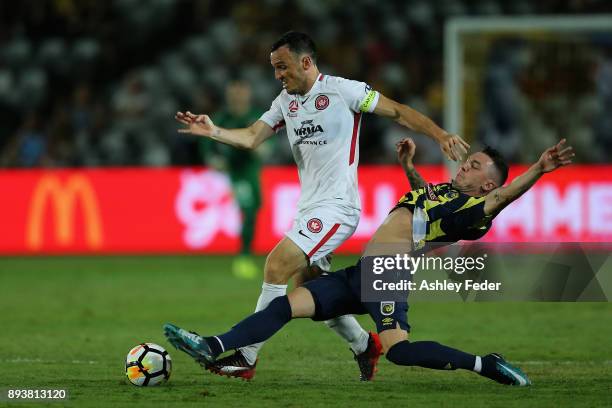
pixel 322 115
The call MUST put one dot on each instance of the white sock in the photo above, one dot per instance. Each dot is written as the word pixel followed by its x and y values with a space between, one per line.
pixel 478 364
pixel 269 292
pixel 349 329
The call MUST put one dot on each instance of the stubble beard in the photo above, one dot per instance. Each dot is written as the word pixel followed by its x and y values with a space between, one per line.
pixel 458 186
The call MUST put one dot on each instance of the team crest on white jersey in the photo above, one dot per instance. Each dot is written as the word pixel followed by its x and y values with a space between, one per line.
pixel 321 102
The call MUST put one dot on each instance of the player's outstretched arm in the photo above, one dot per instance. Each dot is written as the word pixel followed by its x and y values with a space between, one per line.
pixel 453 146
pixel 405 153
pixel 245 138
pixel 554 157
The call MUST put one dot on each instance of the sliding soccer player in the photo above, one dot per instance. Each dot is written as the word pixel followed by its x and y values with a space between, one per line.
pixel 462 209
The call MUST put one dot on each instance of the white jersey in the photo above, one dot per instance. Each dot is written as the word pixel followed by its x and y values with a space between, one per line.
pixel 323 130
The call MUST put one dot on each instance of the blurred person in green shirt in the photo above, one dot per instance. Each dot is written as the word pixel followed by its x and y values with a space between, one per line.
pixel 243 168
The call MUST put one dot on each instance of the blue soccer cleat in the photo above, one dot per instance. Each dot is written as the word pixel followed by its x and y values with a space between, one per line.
pixel 498 369
pixel 191 343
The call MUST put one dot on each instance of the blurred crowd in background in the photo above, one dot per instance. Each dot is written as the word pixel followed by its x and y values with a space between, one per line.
pixel 97 83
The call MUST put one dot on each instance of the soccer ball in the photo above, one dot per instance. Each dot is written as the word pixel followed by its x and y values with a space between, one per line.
pixel 148 364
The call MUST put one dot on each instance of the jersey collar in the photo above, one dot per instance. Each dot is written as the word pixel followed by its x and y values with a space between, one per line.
pixel 304 98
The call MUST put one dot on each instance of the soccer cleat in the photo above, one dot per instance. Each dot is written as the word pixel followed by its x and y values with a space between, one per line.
pixel 369 358
pixel 191 343
pixel 496 368
pixel 234 365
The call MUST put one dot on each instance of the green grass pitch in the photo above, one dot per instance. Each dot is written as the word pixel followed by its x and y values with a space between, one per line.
pixel 69 322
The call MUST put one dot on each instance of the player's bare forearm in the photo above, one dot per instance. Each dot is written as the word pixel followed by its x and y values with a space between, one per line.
pixel 410 118
pixel 405 154
pixel 551 159
pixel 416 121
pixel 415 179
pixel 245 138
pixel 452 145
pixel 499 198
pixel 240 138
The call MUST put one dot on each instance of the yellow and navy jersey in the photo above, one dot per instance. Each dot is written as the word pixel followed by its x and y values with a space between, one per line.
pixel 442 214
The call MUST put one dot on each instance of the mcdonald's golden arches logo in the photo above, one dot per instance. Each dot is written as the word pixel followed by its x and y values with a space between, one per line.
pixel 63 199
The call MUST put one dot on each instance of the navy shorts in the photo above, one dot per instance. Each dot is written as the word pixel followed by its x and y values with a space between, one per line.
pixel 339 293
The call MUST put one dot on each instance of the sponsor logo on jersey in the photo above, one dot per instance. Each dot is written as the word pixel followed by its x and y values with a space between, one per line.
pixel 387 308
pixel 293 108
pixel 312 142
pixel 308 130
pixel 430 193
pixel 314 225
pixel 387 321
pixel 321 102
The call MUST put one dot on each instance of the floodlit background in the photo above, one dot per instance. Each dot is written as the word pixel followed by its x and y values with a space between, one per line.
pixel 87 83
pixel 93 87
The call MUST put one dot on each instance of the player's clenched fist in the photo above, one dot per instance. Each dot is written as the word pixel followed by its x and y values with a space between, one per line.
pixel 200 125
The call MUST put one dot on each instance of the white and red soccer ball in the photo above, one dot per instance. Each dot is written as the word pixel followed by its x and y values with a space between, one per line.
pixel 148 364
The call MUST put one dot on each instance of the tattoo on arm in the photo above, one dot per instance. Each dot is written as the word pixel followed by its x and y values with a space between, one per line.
pixel 415 179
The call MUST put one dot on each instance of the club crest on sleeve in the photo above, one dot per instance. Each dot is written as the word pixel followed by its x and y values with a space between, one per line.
pixel 321 102
pixel 387 308
pixel 314 225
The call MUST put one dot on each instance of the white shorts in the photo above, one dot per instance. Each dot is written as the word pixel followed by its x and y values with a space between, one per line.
pixel 319 231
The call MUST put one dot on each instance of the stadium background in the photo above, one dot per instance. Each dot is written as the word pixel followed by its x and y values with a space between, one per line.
pixel 91 164
pixel 86 84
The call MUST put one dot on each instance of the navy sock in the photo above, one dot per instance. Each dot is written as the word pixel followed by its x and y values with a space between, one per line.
pixel 430 354
pixel 256 328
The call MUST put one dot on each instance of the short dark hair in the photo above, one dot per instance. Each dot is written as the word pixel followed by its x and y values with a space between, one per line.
pixel 499 162
pixel 298 43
